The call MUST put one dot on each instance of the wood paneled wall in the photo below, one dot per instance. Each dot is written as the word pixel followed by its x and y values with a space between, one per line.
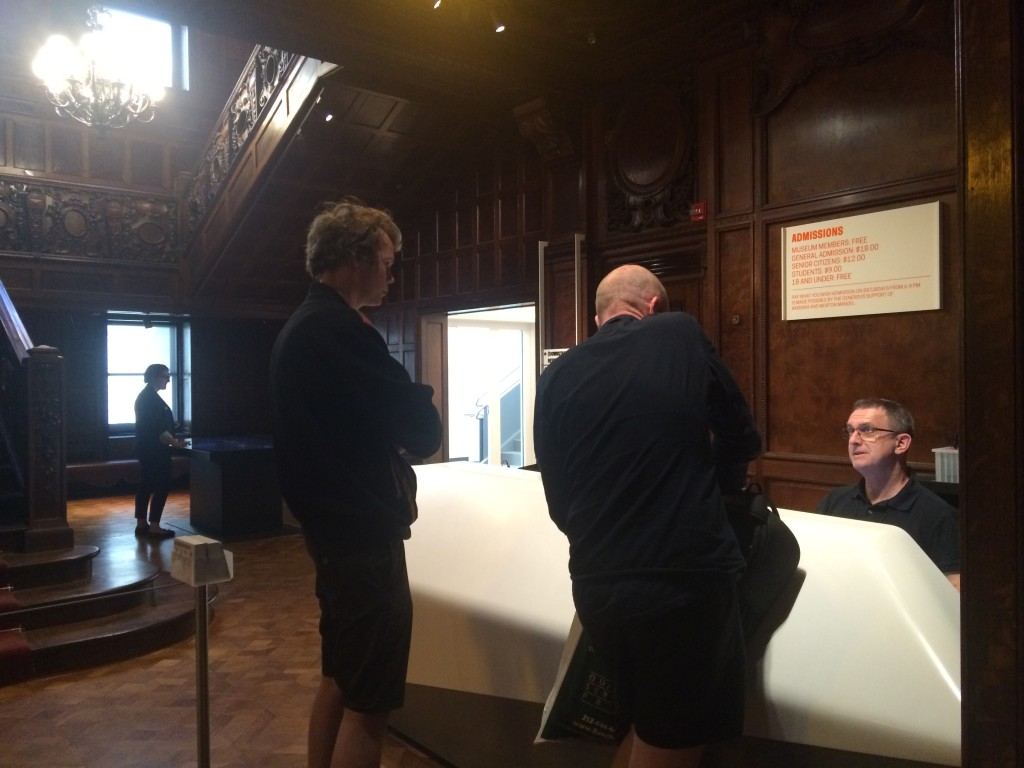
pixel 763 141
pixel 476 248
pixel 871 128
pixel 871 135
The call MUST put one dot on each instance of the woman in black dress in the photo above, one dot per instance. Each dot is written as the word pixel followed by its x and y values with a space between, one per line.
pixel 154 439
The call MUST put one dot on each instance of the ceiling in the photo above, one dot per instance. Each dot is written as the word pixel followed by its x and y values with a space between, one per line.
pixel 407 47
pixel 413 88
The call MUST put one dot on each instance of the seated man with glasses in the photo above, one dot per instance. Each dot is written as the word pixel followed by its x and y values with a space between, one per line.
pixel 878 435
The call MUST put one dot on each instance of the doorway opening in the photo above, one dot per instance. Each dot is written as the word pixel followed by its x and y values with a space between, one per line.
pixel 492 377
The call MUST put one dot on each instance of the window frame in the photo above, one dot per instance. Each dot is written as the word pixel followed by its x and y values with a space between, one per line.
pixel 179 74
pixel 179 365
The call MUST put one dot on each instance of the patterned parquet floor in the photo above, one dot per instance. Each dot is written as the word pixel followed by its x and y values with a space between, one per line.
pixel 263 668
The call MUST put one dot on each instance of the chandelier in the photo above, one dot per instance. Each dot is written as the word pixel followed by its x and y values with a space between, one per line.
pixel 92 82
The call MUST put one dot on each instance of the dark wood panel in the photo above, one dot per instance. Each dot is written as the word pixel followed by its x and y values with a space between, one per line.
pixel 888 119
pixel 533 209
pixel 561 299
pixel 487 268
pixel 508 206
pixel 446 280
pixel 565 201
pixel 433 369
pixel 486 214
pixel 684 294
pixel 736 314
pixel 817 368
pixel 81 337
pixel 800 482
pixel 147 164
pixel 16 279
pixel 791 494
pixel 446 227
pixel 66 152
pixel 512 269
pixel 734 140
pixel 231 376
pixel 107 159
pixel 410 327
pixel 466 277
pixel 409 280
pixel 428 277
pixel 992 408
pixel 29 146
pixel 465 223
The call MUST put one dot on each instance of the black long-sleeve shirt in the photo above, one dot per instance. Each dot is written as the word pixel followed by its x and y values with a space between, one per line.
pixel 153 417
pixel 343 410
pixel 634 429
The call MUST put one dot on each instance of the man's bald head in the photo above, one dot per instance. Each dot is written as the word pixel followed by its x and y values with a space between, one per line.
pixel 629 290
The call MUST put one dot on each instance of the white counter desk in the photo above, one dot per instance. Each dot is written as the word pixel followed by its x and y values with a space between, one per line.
pixel 860 666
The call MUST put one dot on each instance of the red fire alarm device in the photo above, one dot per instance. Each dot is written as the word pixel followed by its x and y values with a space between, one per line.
pixel 698 211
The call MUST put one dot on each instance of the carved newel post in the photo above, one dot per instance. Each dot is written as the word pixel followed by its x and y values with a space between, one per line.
pixel 47 450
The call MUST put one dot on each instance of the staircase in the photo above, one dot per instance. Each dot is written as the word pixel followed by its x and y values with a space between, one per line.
pixel 63 606
pixel 63 610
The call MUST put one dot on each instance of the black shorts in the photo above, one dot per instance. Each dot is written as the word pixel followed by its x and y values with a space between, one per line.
pixel 365 625
pixel 675 647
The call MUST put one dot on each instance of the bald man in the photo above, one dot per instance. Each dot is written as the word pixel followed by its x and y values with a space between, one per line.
pixel 638 430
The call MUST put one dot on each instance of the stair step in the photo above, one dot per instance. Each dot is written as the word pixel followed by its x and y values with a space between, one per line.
pixel 167 618
pixel 114 586
pixel 27 570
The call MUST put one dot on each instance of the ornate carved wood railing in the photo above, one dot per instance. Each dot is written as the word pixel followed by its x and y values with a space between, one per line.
pixel 257 120
pixel 253 94
pixel 33 515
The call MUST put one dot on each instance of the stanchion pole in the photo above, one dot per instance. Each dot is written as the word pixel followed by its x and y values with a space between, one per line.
pixel 199 562
pixel 202 679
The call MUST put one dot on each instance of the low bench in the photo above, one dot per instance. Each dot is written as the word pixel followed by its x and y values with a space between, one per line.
pixel 88 478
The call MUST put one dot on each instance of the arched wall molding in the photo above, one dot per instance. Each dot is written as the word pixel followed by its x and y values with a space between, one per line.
pixel 796 38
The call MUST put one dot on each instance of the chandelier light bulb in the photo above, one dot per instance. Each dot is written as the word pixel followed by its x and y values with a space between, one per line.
pixel 56 61
pixel 95 82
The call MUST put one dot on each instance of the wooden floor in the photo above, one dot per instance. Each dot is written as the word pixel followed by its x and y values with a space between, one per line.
pixel 263 668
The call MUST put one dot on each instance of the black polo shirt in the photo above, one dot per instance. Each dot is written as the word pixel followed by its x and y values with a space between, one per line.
pixel 929 520
pixel 623 431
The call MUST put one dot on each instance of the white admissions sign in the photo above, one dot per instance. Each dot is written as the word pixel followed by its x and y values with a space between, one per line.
pixel 871 264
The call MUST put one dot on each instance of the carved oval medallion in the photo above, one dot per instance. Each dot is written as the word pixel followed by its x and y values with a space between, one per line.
pixel 74 222
pixel 150 233
pixel 649 142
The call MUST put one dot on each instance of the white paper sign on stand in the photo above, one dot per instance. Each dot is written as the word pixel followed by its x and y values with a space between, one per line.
pixel 198 560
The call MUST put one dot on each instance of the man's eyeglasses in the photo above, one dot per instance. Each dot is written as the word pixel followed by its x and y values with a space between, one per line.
pixel 867 432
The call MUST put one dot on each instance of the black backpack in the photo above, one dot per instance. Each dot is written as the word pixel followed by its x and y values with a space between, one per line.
pixel 770 549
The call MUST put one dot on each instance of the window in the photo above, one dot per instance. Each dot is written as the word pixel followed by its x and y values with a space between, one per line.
pixel 135 342
pixel 156 49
